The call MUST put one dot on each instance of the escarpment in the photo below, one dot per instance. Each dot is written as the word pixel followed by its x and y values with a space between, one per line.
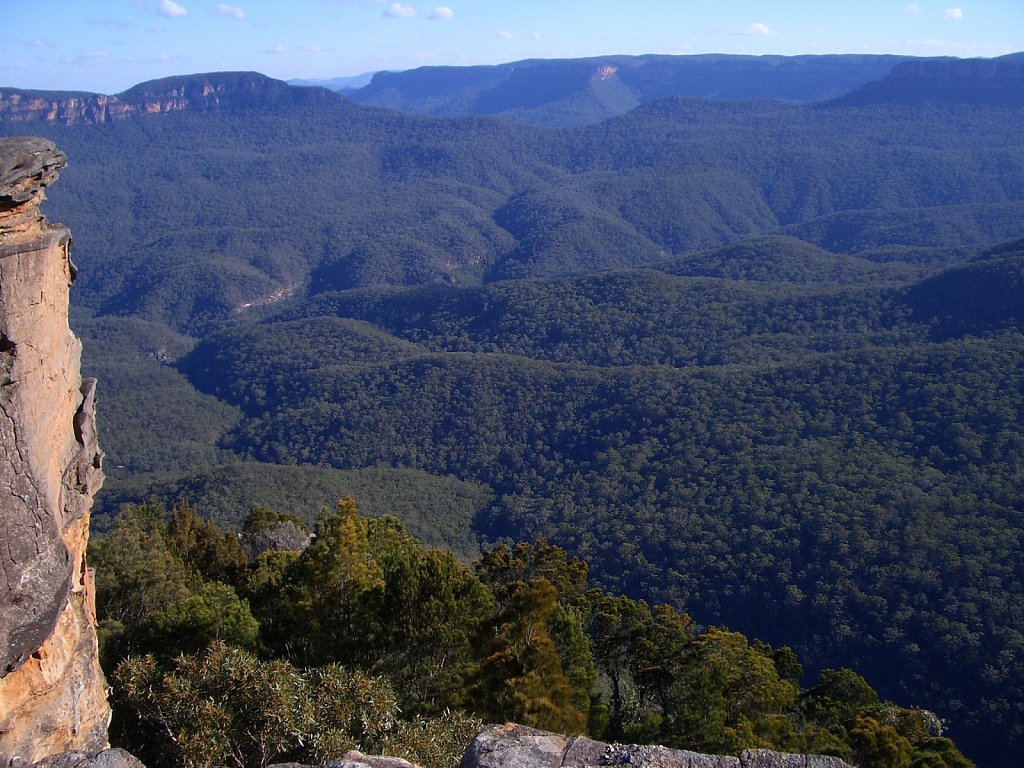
pixel 199 93
pixel 52 691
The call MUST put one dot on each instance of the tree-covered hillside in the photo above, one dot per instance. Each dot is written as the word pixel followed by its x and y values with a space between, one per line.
pixel 209 214
pixel 769 456
pixel 761 360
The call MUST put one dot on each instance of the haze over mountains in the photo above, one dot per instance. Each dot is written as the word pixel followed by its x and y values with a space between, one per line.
pixel 761 357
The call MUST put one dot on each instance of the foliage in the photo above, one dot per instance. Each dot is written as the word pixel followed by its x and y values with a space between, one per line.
pixel 226 707
pixel 221 708
pixel 214 613
pixel 521 678
pixel 200 545
pixel 365 593
pixel 438 511
pixel 137 574
pixel 403 648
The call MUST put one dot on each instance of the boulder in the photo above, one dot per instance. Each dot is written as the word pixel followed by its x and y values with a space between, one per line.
pixel 108 758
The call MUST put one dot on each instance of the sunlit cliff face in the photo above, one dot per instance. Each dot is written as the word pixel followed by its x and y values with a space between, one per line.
pixel 52 692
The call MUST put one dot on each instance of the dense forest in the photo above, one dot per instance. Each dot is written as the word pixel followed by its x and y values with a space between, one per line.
pixel 758 361
pixel 240 649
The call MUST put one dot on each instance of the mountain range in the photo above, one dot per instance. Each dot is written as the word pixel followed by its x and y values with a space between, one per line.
pixel 757 357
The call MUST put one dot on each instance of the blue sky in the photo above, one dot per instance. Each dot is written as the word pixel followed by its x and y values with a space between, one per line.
pixel 107 46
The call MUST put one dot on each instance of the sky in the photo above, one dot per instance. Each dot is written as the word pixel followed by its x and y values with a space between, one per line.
pixel 106 46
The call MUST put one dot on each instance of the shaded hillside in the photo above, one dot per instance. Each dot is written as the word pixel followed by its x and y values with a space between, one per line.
pixel 581 91
pixel 985 296
pixel 783 260
pixel 965 81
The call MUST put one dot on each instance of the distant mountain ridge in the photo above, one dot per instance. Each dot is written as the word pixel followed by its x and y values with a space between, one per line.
pixel 196 93
pixel 556 92
pixel 968 81
pixel 578 91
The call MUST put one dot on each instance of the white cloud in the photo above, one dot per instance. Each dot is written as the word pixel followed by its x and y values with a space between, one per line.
pixel 535 36
pixel 442 12
pixel 171 9
pixel 951 14
pixel 311 49
pixel 277 49
pixel 914 8
pixel 758 28
pixel 400 11
pixel 504 35
pixel 230 11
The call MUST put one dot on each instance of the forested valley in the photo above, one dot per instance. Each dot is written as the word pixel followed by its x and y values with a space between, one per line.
pixel 759 362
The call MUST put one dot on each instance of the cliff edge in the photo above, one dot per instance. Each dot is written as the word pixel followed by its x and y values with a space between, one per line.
pixel 52 691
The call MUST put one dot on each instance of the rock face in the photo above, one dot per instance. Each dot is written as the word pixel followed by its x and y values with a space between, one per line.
pixel 202 93
pixel 516 746
pixel 52 691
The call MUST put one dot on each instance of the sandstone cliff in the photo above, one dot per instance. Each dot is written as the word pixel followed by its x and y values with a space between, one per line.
pixel 52 691
pixel 202 93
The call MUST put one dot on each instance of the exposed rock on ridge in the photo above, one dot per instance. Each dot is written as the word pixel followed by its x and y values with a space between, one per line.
pixel 52 691
pixel 218 90
pixel 516 746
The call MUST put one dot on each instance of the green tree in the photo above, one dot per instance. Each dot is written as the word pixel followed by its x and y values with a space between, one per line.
pixel 642 651
pixel 214 613
pixel 837 699
pixel 433 611
pixel 198 542
pixel 335 590
pixel 137 574
pixel 504 569
pixel 521 678
pixel 878 746
pixel 732 697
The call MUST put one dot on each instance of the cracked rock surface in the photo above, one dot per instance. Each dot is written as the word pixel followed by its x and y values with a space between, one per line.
pixel 516 746
pixel 52 692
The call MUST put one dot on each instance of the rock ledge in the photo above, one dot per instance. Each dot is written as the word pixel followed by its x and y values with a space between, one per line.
pixel 516 746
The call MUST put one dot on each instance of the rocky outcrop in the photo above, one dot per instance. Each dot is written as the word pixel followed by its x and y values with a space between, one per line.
pixel 516 746
pixel 52 692
pixel 356 759
pixel 108 758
